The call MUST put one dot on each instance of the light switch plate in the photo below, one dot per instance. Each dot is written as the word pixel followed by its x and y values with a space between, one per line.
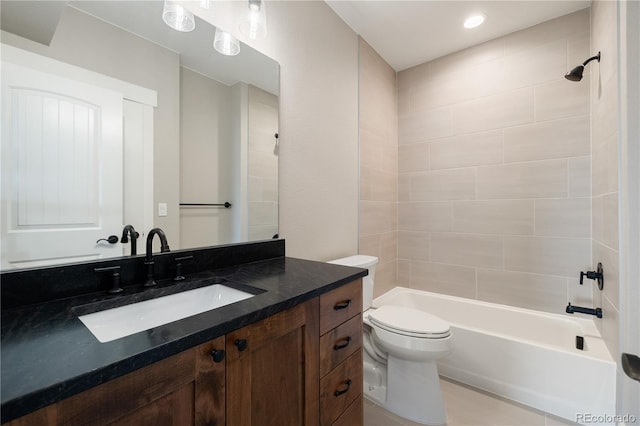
pixel 162 209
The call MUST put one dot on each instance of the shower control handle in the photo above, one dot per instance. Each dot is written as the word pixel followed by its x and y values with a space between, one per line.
pixel 598 274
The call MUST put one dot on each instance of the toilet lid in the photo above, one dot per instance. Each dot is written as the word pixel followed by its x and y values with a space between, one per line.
pixel 409 321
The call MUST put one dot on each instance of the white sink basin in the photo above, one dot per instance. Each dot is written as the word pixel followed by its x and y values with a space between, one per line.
pixel 115 323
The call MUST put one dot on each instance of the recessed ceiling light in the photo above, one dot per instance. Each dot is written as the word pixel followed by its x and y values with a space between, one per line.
pixel 474 20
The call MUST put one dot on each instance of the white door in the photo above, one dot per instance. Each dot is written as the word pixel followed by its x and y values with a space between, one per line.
pixel 61 169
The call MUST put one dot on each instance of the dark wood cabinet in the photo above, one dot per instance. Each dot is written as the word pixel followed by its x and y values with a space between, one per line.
pixel 272 370
pixel 210 388
pixel 341 356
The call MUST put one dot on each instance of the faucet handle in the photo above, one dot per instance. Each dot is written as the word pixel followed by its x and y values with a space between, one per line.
pixel 179 260
pixel 115 278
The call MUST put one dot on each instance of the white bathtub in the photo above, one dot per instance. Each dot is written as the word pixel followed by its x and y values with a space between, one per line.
pixel 523 355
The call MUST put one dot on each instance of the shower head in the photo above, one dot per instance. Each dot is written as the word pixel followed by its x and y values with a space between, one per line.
pixel 576 73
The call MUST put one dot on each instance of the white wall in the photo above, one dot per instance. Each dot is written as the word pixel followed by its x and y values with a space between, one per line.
pixel 318 178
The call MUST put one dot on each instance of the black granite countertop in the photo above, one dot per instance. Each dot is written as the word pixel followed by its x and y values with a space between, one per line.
pixel 48 354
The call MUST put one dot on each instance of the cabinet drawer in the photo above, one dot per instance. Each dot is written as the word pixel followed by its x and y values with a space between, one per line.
pixel 352 416
pixel 339 305
pixel 339 343
pixel 340 388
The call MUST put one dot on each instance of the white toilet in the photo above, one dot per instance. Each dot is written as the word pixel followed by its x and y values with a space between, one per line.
pixel 401 346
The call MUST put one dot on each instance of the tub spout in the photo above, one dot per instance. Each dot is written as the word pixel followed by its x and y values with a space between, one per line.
pixel 571 309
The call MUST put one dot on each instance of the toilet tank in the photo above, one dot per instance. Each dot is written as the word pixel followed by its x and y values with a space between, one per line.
pixel 366 262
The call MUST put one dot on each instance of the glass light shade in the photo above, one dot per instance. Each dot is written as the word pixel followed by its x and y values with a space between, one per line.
pixel 177 17
pixel 255 25
pixel 225 43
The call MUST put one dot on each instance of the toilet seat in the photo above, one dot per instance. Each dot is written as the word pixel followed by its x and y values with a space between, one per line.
pixel 409 322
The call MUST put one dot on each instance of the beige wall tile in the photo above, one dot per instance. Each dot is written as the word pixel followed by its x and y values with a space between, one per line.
pixel 464 59
pixel 535 65
pixel 509 217
pixel 609 259
pixel 440 91
pixel 580 295
pixel 579 176
pixel 547 255
pixel 610 327
pixel 404 187
pixel 537 179
pixel 370 245
pixel 404 273
pixel 442 185
pixel 561 99
pixel 370 148
pixel 413 158
pixel 413 245
pixel 423 125
pixel 563 217
pixel 568 137
pixel 604 110
pixel 385 277
pixel 578 50
pixel 604 173
pixel 378 158
pixel 597 218
pixel 492 112
pixel 413 77
pixel 610 220
pixel 383 185
pixel 447 279
pixel 531 291
pixel 467 249
pixel 545 32
pixel 467 150
pixel 377 217
pixel 425 216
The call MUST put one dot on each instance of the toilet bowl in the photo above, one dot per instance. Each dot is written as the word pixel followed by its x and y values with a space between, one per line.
pixel 401 346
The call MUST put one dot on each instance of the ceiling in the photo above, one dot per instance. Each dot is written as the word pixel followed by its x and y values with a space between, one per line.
pixel 408 33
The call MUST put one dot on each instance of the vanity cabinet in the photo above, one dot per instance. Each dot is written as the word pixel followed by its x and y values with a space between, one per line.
pixel 341 356
pixel 301 366
pixel 272 370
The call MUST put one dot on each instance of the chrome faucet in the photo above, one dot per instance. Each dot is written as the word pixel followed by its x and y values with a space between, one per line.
pixel 164 247
pixel 129 231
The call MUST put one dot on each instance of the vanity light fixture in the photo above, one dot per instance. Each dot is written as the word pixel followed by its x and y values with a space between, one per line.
pixel 225 43
pixel 474 20
pixel 255 26
pixel 177 17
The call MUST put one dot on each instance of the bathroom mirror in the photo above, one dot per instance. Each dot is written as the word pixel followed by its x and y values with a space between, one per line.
pixel 204 133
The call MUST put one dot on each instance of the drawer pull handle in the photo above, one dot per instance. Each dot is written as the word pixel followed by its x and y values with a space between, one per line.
pixel 343 390
pixel 241 344
pixel 342 305
pixel 342 343
pixel 218 355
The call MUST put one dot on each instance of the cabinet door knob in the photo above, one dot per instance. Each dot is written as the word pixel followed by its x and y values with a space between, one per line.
pixel 344 390
pixel 342 305
pixel 241 344
pixel 218 355
pixel 342 343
